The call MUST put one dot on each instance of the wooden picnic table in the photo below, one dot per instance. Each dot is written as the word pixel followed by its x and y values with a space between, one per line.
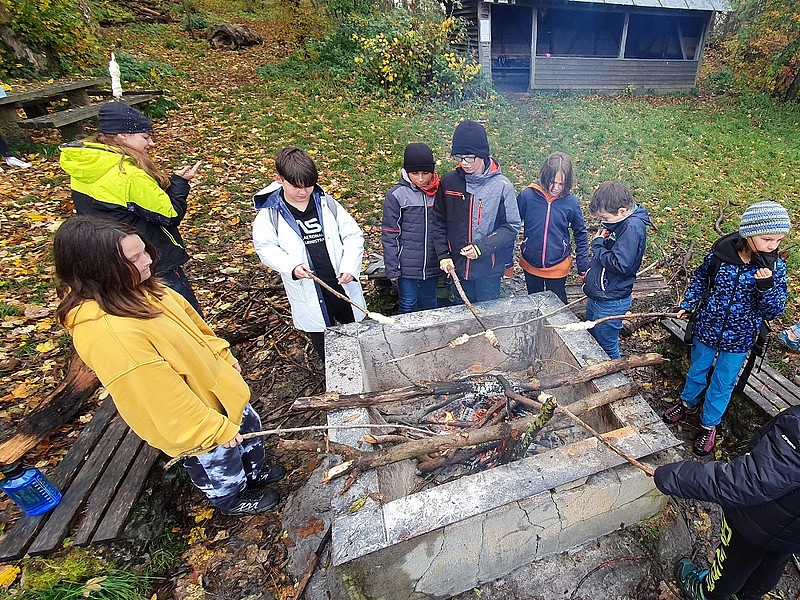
pixel 35 99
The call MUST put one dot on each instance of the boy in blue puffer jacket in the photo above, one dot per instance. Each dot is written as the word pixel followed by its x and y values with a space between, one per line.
pixel 618 247
pixel 760 498
pixel 407 231
pixel 741 283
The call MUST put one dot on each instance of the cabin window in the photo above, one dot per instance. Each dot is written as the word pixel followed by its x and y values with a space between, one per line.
pixel 578 33
pixel 663 37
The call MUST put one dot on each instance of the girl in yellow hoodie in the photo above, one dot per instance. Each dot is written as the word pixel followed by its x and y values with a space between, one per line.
pixel 174 382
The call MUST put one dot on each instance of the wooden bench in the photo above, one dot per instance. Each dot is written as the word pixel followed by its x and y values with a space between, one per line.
pixel 765 386
pixel 100 479
pixel 35 100
pixel 644 286
pixel 69 121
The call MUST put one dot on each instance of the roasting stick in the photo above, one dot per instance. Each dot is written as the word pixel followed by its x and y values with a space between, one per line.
pixel 488 333
pixel 383 319
pixel 586 325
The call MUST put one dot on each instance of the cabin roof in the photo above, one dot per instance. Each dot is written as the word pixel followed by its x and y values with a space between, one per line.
pixel 722 6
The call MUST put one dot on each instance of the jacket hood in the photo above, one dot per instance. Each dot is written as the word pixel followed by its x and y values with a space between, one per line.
pixel 725 249
pixel 271 196
pixel 493 170
pixel 85 312
pixel 88 161
pixel 639 213
pixel 264 198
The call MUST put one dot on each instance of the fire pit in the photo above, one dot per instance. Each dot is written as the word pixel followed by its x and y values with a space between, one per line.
pixel 403 543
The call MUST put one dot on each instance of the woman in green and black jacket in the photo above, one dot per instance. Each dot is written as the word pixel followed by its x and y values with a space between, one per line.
pixel 113 176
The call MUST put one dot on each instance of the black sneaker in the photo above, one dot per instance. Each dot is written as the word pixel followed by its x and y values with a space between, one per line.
pixel 269 474
pixel 252 502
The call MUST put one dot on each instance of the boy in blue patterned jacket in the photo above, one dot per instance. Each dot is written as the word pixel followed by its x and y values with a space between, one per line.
pixel 741 283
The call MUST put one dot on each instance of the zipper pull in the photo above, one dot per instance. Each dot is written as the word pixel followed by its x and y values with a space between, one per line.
pixel 480 210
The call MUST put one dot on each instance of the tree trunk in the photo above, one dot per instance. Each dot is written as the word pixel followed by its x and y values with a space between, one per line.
pixel 55 410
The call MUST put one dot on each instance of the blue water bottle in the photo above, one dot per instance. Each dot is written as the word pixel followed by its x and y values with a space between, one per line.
pixel 29 489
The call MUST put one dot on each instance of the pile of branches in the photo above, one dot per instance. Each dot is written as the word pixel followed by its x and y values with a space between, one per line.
pixel 504 431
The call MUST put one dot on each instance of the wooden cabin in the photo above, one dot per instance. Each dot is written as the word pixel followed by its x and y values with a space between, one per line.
pixel 601 45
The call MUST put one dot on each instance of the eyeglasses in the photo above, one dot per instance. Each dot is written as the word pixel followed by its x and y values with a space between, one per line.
pixel 468 159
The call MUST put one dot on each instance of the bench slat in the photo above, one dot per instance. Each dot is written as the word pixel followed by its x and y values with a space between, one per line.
pixel 80 113
pixel 62 516
pixel 46 93
pixel 643 286
pixel 116 516
pixel 771 403
pixel 15 543
pixel 106 487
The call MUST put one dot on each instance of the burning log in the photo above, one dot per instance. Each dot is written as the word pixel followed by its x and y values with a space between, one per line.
pixel 333 400
pixel 504 431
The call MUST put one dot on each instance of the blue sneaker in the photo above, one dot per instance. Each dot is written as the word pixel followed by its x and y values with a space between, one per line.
pixel 690 579
pixel 793 345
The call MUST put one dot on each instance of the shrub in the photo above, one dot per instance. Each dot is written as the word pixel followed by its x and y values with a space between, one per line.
pixel 58 29
pixel 139 70
pixel 416 55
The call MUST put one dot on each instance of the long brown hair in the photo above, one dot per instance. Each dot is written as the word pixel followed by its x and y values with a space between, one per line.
pixel 91 266
pixel 140 159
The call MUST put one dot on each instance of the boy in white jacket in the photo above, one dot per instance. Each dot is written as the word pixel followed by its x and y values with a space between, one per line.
pixel 300 230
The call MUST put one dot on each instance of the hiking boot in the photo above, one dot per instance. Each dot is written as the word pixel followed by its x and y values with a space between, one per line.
pixel 679 411
pixel 690 579
pixel 269 474
pixel 786 340
pixel 704 443
pixel 252 502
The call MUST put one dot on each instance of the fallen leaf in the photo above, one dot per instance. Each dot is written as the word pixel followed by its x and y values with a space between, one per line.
pixel 8 574
pixel 314 526
pixel 357 505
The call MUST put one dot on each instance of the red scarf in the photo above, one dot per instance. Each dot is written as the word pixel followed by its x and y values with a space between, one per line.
pixel 432 187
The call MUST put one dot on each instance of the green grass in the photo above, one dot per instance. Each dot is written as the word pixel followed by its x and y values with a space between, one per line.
pixel 9 310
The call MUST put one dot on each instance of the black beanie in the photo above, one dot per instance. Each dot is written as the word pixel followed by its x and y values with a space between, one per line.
pixel 118 117
pixel 418 157
pixel 470 138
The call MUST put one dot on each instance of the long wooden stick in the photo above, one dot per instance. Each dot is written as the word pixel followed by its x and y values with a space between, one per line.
pixel 463 295
pixel 585 325
pixel 578 421
pixel 334 400
pixel 301 587
pixel 372 315
pixel 503 431
pixel 254 434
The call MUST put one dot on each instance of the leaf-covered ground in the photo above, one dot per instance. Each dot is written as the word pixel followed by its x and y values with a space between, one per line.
pixel 692 161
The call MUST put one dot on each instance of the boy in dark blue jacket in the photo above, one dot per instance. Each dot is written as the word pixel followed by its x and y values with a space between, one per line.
pixel 618 247
pixel 760 498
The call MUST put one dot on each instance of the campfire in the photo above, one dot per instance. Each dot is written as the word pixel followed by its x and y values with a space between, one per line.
pixel 501 483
